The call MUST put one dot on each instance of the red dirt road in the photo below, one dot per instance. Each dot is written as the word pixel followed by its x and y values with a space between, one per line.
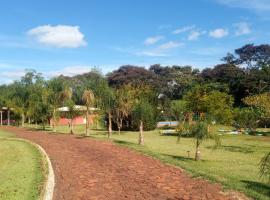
pixel 90 169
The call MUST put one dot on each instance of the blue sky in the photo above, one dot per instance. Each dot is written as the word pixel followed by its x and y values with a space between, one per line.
pixel 70 37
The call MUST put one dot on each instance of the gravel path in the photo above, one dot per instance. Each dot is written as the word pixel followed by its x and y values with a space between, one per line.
pixel 91 169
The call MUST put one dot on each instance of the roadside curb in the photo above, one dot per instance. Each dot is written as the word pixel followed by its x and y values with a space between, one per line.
pixel 47 192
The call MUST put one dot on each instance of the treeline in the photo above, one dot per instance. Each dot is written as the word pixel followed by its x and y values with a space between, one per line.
pixel 235 92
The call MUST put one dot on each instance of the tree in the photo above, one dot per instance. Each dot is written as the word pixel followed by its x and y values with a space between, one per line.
pixel 183 126
pixel 246 118
pixel 265 167
pixel 200 132
pixel 66 99
pixel 38 104
pixel 106 100
pixel 56 86
pixel 261 102
pixel 143 114
pixel 230 75
pixel 219 107
pixel 253 56
pixel 20 92
pixel 124 101
pixel 133 75
pixel 89 99
pixel 195 99
pixel 174 81
pixel 179 109
pixel 71 113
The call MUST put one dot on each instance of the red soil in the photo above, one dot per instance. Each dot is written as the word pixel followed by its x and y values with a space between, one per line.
pixel 90 169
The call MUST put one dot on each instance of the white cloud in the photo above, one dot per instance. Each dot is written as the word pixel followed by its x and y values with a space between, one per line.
pixel 194 35
pixel 151 54
pixel 170 45
pixel 218 33
pixel 153 40
pixel 242 28
pixel 61 36
pixel 255 5
pixel 9 75
pixel 183 29
pixel 69 71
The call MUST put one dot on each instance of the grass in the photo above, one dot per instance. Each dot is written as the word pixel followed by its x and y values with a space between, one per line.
pixel 234 164
pixel 21 169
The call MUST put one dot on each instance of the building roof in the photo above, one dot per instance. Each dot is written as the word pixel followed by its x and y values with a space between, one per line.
pixel 77 107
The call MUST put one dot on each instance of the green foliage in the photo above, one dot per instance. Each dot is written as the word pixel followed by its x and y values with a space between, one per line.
pixel 195 99
pixel 200 132
pixel 172 91
pixel 219 107
pixel 261 103
pixel 178 109
pixel 144 112
pixel 246 118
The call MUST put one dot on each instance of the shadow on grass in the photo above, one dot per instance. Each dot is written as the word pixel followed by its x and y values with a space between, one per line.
pixel 180 158
pixel 235 148
pixel 121 142
pixel 261 188
pixel 37 129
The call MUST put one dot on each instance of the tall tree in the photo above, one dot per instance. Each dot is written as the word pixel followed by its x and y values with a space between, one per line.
pixel 106 101
pixel 124 101
pixel 142 113
pixel 56 86
pixel 89 100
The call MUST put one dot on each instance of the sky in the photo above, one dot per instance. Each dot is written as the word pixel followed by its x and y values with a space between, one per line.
pixel 70 37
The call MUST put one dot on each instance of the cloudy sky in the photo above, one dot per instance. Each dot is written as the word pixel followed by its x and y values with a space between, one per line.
pixel 70 37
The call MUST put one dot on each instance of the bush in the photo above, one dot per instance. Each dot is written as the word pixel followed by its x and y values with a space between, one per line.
pixel 246 118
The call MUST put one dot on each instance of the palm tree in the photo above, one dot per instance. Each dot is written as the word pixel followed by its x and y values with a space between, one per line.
pixel 200 132
pixel 89 99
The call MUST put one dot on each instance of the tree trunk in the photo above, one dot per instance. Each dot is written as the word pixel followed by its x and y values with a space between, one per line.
pixel 71 126
pixel 141 139
pixel 110 125
pixel 197 153
pixel 54 120
pixel 87 122
pixel 23 118
pixel 43 125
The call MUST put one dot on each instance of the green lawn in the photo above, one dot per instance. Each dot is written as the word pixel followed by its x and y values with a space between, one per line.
pixel 21 169
pixel 234 164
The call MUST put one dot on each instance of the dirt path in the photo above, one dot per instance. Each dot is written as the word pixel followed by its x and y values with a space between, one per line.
pixel 89 169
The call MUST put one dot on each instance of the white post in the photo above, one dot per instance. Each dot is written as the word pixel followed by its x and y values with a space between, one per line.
pixel 1 118
pixel 8 122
